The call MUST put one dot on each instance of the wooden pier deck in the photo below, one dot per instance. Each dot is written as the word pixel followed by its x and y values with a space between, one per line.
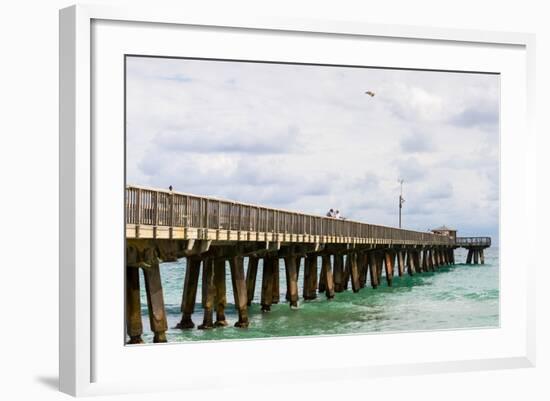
pixel 164 225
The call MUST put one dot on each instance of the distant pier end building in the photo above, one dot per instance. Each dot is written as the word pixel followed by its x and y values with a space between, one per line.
pixel 213 234
pixel 444 230
pixel 474 245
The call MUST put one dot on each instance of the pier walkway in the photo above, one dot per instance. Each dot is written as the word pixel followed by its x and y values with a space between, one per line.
pixel 164 225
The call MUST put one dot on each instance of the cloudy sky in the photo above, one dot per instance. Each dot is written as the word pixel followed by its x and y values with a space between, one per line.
pixel 307 138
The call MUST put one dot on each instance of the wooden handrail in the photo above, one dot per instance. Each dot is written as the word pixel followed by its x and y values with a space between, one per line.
pixel 159 207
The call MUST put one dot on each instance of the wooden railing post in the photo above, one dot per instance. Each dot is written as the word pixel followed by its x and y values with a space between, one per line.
pixel 155 208
pixel 138 206
pixel 171 218
pixel 240 217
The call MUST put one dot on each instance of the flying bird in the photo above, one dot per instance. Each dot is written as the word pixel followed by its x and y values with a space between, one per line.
pixel 370 93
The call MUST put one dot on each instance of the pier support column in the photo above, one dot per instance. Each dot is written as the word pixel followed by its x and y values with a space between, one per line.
pixel 373 265
pixel 347 270
pixel 267 284
pixel 221 297
pixel 338 272
pixel 433 254
pixel 476 256
pixel 412 263
pixel 429 260
pixel 354 272
pixel 298 265
pixel 329 280
pixel 208 293
pixel 251 274
pixel 469 257
pixel 292 280
pixel 276 281
pixel 134 327
pixel 389 267
pixel 482 256
pixel 322 277
pixel 425 266
pixel 363 269
pixel 420 267
pixel 310 277
pixel 380 265
pixel 155 302
pixel 190 284
pixel 400 263
pixel 239 290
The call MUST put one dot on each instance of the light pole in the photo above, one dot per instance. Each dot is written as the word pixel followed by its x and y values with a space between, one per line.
pixel 401 200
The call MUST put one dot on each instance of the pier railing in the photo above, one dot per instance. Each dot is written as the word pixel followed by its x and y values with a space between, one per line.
pixel 473 241
pixel 156 207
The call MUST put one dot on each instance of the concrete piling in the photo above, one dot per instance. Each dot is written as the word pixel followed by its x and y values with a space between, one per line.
pixel 155 302
pixel 239 290
pixel 208 294
pixel 292 280
pixel 221 297
pixel 412 263
pixel 338 272
pixel 434 262
pixel 329 280
pixel 322 276
pixel 251 274
pixel 419 260
pixel 347 271
pixel 379 265
pixel 354 272
pixel 420 267
pixel 400 263
pixel 276 280
pixel 310 277
pixel 267 284
pixel 389 267
pixel 424 261
pixel 134 326
pixel 362 262
pixel 373 265
pixel 190 284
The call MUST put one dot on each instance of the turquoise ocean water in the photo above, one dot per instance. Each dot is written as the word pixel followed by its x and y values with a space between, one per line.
pixel 454 297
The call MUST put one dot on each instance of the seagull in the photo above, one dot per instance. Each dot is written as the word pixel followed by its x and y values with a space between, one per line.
pixel 370 93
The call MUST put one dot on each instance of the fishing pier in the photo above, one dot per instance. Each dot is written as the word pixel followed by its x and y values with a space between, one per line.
pixel 213 234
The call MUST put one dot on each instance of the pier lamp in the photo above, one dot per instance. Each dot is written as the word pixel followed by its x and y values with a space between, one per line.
pixel 401 200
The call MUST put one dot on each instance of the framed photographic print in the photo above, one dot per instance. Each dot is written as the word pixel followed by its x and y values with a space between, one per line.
pixel 255 189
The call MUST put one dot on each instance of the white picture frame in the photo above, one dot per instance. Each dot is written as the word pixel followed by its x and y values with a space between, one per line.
pixel 81 208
